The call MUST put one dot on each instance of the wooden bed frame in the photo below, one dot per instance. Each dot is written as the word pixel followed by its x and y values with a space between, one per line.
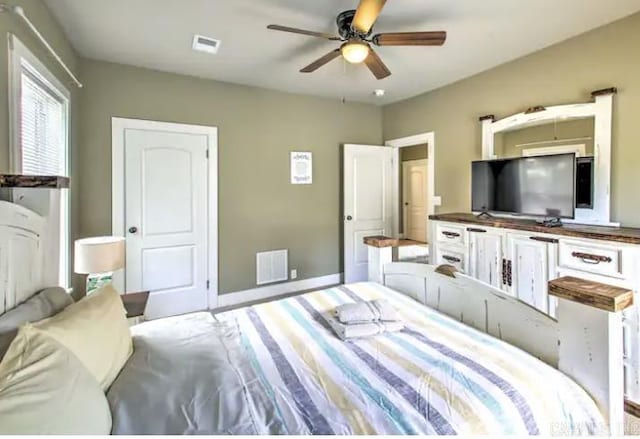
pixel 585 342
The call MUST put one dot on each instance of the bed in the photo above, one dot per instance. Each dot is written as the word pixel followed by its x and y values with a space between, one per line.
pixel 277 368
pixel 281 370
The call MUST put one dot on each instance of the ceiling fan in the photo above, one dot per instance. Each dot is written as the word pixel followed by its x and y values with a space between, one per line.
pixel 355 28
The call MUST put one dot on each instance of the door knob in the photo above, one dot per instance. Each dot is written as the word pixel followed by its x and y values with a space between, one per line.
pixel 349 217
pixel 133 229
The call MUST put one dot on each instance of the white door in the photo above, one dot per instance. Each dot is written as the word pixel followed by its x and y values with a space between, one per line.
pixel 485 256
pixel 414 196
pixel 166 219
pixel 368 200
pixel 530 271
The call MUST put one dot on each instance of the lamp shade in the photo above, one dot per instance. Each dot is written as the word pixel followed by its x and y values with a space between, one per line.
pixel 103 254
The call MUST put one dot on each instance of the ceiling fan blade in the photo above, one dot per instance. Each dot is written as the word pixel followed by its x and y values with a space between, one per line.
pixel 303 32
pixel 322 61
pixel 377 67
pixel 366 15
pixel 410 39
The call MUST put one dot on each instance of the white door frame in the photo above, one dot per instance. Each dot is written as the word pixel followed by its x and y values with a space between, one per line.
pixel 432 199
pixel 118 127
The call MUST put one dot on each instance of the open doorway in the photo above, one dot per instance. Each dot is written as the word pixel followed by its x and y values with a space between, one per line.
pixel 414 196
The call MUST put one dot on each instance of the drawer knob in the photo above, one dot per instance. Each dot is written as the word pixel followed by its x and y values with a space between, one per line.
pixel 588 258
pixel 451 259
pixel 451 235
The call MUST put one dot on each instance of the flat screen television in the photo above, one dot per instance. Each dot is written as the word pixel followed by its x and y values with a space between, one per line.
pixel 533 186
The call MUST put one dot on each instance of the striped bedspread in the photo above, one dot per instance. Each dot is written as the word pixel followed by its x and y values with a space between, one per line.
pixel 437 376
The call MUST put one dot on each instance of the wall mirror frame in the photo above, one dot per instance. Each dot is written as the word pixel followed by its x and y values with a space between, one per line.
pixel 601 110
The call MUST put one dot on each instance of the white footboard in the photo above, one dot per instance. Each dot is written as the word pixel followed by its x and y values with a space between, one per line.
pixel 585 342
pixel 480 306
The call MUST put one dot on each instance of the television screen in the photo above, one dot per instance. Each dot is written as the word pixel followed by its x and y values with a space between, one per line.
pixel 536 186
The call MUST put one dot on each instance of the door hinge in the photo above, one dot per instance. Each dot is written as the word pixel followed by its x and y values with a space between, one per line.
pixel 208 284
pixel 207 153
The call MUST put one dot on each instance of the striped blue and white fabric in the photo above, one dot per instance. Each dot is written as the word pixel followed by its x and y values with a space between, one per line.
pixel 437 376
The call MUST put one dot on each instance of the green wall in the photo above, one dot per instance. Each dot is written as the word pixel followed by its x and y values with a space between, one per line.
pixel 565 73
pixel 258 208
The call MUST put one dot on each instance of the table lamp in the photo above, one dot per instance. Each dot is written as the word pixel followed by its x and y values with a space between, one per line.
pixel 98 258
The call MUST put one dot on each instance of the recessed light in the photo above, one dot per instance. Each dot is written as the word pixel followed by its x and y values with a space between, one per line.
pixel 206 44
pixel 379 93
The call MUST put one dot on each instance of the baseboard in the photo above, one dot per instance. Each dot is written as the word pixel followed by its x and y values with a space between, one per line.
pixel 271 291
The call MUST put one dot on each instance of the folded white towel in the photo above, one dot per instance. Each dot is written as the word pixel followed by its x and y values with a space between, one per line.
pixel 362 330
pixel 367 312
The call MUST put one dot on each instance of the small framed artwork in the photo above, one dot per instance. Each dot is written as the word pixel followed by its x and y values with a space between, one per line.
pixel 301 168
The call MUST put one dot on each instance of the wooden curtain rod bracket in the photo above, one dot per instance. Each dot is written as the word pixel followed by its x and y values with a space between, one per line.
pixel 490 117
pixel 604 92
pixel 536 109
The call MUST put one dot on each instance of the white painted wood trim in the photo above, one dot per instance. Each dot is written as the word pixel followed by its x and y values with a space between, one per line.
pixel 118 226
pixel 602 111
pixel 17 52
pixel 433 200
pixel 273 291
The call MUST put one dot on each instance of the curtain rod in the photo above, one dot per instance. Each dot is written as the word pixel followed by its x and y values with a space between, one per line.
pixel 19 11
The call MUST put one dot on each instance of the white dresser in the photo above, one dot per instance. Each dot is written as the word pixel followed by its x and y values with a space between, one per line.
pixel 521 257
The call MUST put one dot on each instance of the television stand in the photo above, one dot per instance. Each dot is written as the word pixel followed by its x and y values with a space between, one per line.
pixel 550 222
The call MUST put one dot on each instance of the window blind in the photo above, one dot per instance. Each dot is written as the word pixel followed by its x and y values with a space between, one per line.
pixel 42 127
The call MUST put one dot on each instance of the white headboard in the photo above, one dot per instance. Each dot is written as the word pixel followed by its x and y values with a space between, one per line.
pixel 21 254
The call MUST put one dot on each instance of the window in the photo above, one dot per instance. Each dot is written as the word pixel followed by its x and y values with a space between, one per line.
pixel 39 112
pixel 43 113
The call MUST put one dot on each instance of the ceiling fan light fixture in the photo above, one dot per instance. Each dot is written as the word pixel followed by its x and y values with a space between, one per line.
pixel 355 52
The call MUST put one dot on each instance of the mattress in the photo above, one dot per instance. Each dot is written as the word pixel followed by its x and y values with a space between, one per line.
pixel 277 368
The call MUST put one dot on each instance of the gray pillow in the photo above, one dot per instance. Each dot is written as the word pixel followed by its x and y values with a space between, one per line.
pixel 41 305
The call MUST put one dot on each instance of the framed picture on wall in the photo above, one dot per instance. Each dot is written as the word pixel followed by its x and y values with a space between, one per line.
pixel 301 168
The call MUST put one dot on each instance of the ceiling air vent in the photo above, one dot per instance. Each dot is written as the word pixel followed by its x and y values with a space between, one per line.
pixel 205 44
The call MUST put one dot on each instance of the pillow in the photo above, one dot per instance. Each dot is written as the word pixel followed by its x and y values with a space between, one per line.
pixel 43 304
pixel 44 389
pixel 96 330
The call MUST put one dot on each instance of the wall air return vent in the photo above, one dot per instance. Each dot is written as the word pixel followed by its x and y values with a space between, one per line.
pixel 271 267
pixel 206 44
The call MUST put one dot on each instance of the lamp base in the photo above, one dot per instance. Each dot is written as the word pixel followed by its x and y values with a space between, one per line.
pixel 97 281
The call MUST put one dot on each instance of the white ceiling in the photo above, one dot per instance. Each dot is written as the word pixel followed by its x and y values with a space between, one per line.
pixel 157 34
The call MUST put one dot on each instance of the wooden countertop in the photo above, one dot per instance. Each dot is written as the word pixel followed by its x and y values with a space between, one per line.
pixel 618 234
pixel 597 295
pixel 385 241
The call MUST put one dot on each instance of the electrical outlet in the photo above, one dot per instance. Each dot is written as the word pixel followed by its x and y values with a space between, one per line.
pixel 294 274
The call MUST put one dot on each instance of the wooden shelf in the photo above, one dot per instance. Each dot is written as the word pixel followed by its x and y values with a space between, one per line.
pixel 385 241
pixel 597 295
pixel 33 181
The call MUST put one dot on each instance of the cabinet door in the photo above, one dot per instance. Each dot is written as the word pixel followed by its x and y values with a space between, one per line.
pixel 485 257
pixel 529 270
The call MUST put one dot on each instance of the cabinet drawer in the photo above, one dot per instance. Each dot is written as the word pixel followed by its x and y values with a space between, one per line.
pixel 451 256
pixel 450 234
pixel 593 258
